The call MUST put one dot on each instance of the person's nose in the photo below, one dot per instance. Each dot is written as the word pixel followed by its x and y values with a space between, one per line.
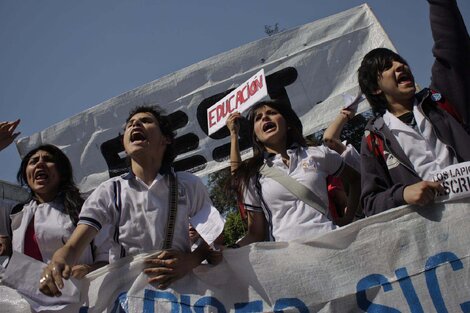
pixel 399 67
pixel 136 123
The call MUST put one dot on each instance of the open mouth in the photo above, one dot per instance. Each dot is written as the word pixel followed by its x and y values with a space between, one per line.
pixel 405 78
pixel 268 126
pixel 40 175
pixel 137 136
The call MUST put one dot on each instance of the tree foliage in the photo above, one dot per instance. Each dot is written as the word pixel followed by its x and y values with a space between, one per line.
pixel 225 200
pixel 272 29
pixel 234 228
pixel 223 197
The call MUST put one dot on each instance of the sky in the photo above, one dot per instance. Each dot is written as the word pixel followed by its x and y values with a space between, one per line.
pixel 59 58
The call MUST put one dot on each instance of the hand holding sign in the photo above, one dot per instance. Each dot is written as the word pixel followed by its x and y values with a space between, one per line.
pixel 239 100
pixel 455 180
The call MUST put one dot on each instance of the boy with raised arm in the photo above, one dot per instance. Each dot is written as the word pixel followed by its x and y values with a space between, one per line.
pixel 413 135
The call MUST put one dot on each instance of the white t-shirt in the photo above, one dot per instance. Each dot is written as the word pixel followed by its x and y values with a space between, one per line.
pixel 288 217
pixel 425 151
pixel 52 227
pixel 141 211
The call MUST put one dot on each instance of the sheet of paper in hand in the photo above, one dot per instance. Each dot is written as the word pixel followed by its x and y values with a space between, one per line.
pixel 456 181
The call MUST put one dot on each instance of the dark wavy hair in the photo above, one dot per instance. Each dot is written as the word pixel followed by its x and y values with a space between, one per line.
pixel 166 128
pixel 68 191
pixel 251 166
pixel 372 66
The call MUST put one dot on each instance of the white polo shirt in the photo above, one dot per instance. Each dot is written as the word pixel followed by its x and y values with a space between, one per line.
pixel 53 227
pixel 425 151
pixel 288 217
pixel 140 212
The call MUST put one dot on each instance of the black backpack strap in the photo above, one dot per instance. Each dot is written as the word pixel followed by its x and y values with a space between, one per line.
pixel 173 207
pixel 118 207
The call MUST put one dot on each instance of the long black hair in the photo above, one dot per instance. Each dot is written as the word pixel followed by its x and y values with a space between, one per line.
pixel 251 166
pixel 68 191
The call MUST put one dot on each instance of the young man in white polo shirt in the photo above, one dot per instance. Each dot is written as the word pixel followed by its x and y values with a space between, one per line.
pixel 137 204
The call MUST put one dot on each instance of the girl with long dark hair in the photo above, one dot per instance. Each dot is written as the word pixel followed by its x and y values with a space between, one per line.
pixel 275 212
pixel 45 222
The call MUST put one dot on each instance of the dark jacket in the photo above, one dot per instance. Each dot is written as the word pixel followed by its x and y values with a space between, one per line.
pixel 385 170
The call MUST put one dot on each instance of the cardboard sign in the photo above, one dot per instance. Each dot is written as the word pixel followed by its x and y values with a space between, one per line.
pixel 239 100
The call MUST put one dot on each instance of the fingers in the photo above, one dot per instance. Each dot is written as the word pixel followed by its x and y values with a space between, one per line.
pixel 80 271
pixel 422 193
pixel 13 125
pixel 47 284
pixel 9 126
pixel 51 281
pixel 348 114
pixel 232 121
pixel 162 277
pixel 162 281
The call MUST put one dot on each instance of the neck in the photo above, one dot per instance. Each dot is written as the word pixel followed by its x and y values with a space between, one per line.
pixel 400 108
pixel 278 150
pixel 146 169
pixel 44 198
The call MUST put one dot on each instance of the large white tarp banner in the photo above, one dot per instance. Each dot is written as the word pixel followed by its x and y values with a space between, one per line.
pixel 312 66
pixel 407 259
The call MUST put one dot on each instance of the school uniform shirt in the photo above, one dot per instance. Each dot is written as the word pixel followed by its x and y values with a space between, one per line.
pixel 52 228
pixel 425 151
pixel 139 212
pixel 288 217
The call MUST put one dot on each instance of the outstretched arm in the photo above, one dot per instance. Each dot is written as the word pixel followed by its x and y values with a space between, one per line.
pixel 7 133
pixel 451 68
pixel 61 264
pixel 233 126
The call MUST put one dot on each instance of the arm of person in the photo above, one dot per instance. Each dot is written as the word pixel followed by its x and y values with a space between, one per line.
pixel 331 136
pixel 234 127
pixel 7 133
pixel 422 193
pixel 352 179
pixel 378 194
pixel 171 265
pixel 451 51
pixel 81 270
pixel 60 266
pixel 256 229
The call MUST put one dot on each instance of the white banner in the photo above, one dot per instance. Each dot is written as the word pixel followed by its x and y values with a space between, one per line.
pixel 407 259
pixel 311 66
